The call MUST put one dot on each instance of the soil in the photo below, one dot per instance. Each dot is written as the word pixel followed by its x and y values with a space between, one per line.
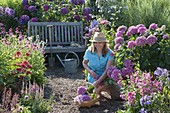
pixel 64 86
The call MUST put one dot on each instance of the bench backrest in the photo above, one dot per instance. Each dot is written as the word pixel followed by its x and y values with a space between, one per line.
pixel 62 33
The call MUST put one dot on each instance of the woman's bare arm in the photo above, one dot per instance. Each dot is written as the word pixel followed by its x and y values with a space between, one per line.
pixel 92 73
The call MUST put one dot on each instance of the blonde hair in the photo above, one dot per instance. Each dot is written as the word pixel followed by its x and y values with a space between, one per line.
pixel 104 50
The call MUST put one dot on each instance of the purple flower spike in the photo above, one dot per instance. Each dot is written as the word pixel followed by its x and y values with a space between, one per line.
pixel 81 90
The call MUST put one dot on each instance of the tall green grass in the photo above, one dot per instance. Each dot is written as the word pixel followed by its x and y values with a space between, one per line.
pixel 146 12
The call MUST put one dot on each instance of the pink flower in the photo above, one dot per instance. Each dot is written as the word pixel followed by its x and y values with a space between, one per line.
pixel 119 40
pixel 119 34
pixel 166 36
pixel 142 30
pixel 151 39
pixel 122 29
pixel 128 63
pixel 104 22
pixel 81 90
pixel 141 41
pixel 131 44
pixel 153 26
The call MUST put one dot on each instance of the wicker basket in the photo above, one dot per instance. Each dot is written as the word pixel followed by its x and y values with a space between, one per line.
pixel 88 103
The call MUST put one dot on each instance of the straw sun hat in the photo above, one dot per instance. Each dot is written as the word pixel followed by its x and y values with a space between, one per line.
pixel 98 37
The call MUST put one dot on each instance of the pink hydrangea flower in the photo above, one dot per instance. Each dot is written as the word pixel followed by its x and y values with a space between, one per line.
pixel 131 44
pixel 151 39
pixel 122 29
pixel 141 41
pixel 81 90
pixel 166 36
pixel 119 40
pixel 142 30
pixel 116 47
pixel 153 26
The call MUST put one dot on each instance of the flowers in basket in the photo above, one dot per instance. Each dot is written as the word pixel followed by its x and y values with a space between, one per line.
pixel 84 97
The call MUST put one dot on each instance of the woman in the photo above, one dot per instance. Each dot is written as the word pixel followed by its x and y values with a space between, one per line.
pixel 98 57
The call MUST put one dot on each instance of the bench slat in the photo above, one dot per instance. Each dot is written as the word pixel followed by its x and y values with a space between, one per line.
pixel 62 33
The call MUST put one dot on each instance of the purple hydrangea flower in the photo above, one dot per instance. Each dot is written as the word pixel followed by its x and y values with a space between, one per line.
pixel 81 90
pixel 77 17
pixel 24 18
pixel 80 2
pixel 119 34
pixel 141 41
pixel 131 44
pixel 26 7
pixel 151 39
pixel 126 71
pixel 166 36
pixel 9 11
pixel 128 63
pixel 116 74
pixel 109 70
pixel 153 26
pixel 75 2
pixel 64 10
pixel 140 25
pixel 87 17
pixel 142 30
pixel 122 29
pixel 116 47
pixel 46 7
pixel 24 2
pixel 86 11
pixel 35 19
pixel 119 40
pixel 132 30
pixel 32 8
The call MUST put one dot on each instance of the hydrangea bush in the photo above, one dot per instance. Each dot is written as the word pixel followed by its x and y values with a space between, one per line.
pixel 148 48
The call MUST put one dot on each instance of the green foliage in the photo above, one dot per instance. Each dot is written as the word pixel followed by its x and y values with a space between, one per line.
pixel 146 12
pixel 36 105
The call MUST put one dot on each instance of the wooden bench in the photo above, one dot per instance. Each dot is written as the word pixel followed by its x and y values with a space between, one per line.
pixel 60 37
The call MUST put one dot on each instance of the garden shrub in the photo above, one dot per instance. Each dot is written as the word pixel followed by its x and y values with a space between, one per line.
pixel 21 59
pixel 148 48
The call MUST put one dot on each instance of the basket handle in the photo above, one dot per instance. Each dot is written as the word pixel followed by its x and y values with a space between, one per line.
pixel 78 60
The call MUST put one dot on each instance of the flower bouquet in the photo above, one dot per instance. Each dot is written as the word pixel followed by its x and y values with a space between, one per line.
pixel 85 97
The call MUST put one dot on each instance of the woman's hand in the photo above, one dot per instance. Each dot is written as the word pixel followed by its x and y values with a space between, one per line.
pixel 93 74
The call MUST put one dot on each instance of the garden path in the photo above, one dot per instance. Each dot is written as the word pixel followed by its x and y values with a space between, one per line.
pixel 63 87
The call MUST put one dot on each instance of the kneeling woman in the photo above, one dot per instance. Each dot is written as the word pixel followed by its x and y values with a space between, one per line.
pixel 97 58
